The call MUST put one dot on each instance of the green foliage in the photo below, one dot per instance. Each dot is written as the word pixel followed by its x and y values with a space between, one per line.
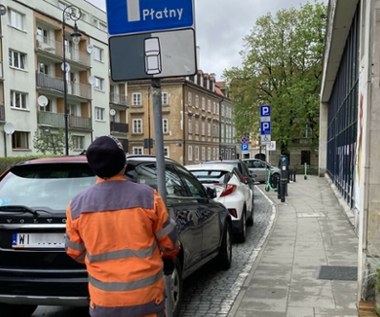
pixel 6 162
pixel 282 66
pixel 49 143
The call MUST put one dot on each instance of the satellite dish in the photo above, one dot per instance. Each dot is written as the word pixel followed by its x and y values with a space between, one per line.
pixel 42 101
pixel 9 128
pixel 90 48
pixel 67 67
pixel 112 112
pixel 3 9
pixel 91 80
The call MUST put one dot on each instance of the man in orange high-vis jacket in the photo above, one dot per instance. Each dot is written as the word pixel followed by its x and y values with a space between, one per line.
pixel 122 232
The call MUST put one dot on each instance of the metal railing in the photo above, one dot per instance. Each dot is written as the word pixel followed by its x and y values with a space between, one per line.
pixel 50 46
pixel 119 127
pixel 118 99
pixel 57 120
pixel 77 89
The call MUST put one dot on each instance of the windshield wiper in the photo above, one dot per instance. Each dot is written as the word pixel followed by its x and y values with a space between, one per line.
pixel 19 208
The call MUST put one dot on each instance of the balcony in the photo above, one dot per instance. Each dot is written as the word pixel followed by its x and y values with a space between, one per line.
pixel 57 120
pixel 53 83
pixel 119 127
pixel 118 99
pixel 52 47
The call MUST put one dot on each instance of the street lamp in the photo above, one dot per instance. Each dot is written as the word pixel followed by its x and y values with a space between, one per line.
pixel 69 13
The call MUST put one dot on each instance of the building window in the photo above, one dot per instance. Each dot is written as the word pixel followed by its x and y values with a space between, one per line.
pixel 43 68
pixel 99 114
pixel 209 153
pixel 203 103
pixel 165 98
pixel 165 126
pixel 166 151
pixel 20 140
pixel 136 99
pixel 209 105
pixel 137 126
pixel 189 99
pixel 18 100
pixel 196 153
pixel 196 101
pixel 138 150
pixel 196 127
pixel 190 152
pixel 190 125
pixel 16 19
pixel 98 53
pixel 209 129
pixel 99 83
pixel 17 59
pixel 203 154
pixel 77 142
pixel 203 128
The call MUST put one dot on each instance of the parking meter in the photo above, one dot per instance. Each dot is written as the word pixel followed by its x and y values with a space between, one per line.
pixel 284 176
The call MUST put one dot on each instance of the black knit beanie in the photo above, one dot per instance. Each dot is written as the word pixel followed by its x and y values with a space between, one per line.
pixel 106 156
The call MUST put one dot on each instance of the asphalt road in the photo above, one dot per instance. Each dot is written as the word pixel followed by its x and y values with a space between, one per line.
pixel 208 292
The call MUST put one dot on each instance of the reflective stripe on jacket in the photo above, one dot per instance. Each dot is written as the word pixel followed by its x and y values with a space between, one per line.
pixel 120 229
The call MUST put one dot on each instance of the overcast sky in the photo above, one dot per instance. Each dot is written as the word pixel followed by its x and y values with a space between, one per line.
pixel 221 26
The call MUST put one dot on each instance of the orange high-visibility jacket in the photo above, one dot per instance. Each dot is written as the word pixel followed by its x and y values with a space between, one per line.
pixel 120 230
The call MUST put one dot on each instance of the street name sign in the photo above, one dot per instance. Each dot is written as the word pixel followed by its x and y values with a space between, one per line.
pixel 135 16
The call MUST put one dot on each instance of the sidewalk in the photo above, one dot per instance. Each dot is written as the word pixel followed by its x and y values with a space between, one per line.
pixel 307 267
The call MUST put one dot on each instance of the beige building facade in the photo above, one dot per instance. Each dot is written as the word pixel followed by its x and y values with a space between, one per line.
pixel 197 119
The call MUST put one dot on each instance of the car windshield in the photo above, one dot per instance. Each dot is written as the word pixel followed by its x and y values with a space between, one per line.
pixel 49 187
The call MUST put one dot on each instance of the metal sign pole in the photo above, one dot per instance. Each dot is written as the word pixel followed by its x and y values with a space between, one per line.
pixel 157 112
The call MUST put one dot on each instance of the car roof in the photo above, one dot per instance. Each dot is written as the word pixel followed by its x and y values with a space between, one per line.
pixel 208 167
pixel 55 160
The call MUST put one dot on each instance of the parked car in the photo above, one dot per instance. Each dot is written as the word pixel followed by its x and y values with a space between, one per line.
pixel 243 169
pixel 261 168
pixel 34 268
pixel 231 190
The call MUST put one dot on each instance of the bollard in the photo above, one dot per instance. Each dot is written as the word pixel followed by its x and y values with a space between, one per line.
pixel 305 171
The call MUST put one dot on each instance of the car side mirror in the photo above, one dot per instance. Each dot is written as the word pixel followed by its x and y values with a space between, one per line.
pixel 211 192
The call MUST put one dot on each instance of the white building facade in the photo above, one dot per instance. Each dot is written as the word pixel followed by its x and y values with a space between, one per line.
pixel 32 98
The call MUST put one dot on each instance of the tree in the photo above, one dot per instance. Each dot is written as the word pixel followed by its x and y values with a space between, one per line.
pixel 282 66
pixel 49 143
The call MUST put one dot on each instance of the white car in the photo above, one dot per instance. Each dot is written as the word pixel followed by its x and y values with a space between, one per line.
pixel 231 190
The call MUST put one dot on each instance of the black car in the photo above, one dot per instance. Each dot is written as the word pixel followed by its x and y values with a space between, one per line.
pixel 34 268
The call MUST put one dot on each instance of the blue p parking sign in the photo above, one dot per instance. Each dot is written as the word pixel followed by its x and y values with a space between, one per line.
pixel 265 111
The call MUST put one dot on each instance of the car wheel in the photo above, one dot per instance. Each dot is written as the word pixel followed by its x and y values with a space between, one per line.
pixel 250 220
pixel 224 258
pixel 175 281
pixel 17 310
pixel 242 235
pixel 274 179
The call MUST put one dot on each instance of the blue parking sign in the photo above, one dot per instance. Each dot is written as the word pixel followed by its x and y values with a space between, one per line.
pixel 265 127
pixel 265 111
pixel 244 147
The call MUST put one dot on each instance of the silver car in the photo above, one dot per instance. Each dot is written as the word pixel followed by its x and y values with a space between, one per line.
pixel 261 168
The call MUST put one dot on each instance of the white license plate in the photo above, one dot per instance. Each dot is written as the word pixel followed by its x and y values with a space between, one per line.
pixel 38 240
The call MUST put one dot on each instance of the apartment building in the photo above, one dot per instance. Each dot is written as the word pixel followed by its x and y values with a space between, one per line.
pixel 197 119
pixel 40 95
